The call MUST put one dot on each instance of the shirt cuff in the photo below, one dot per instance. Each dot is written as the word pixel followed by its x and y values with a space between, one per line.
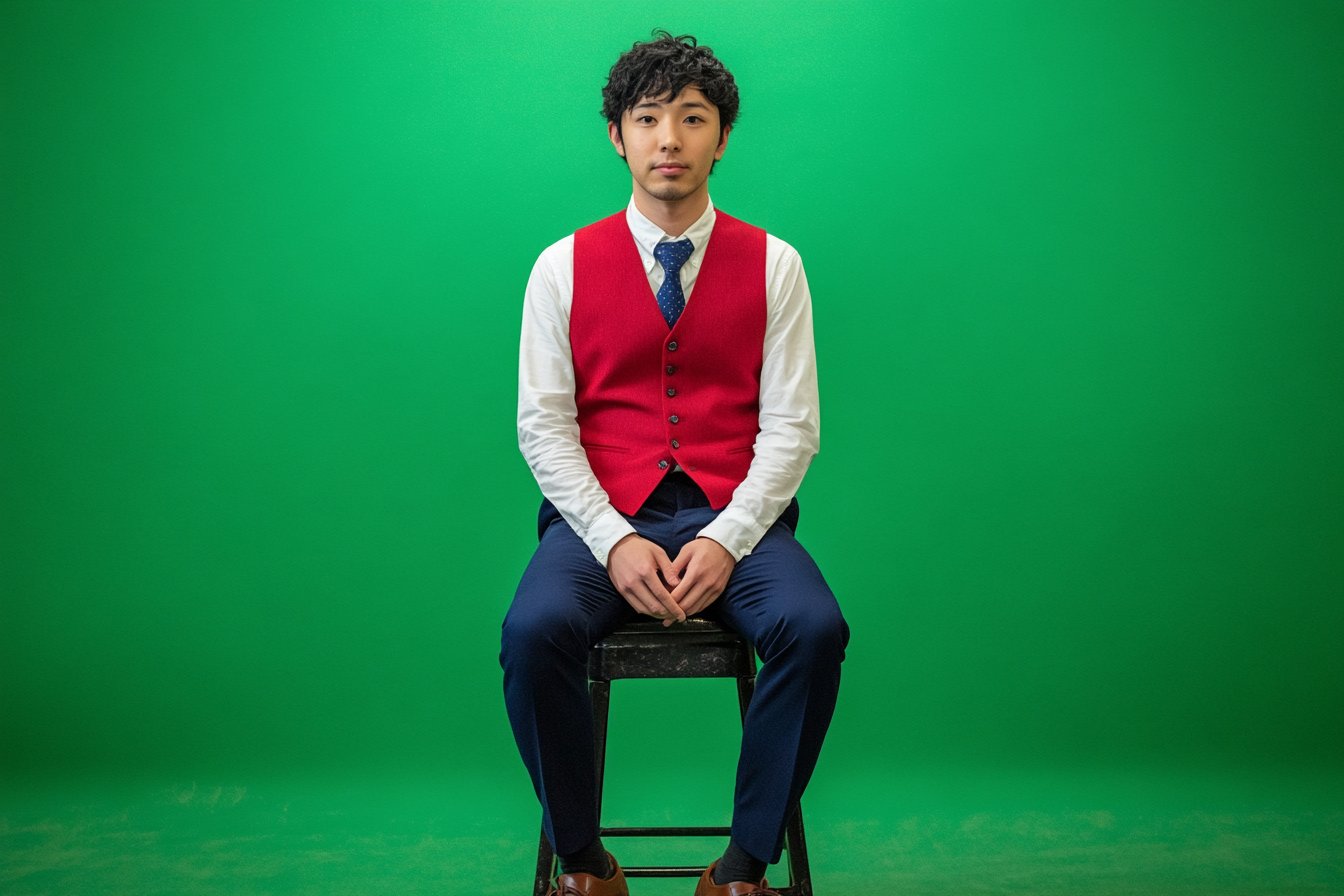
pixel 737 535
pixel 602 536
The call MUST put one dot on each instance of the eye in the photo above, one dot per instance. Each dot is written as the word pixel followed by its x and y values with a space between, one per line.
pixel 644 119
pixel 693 119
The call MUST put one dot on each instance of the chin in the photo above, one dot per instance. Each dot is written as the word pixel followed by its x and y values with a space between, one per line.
pixel 669 192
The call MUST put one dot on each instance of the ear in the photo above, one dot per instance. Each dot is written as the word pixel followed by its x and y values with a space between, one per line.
pixel 614 134
pixel 723 143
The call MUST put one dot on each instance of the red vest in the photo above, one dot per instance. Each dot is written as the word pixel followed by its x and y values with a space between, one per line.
pixel 649 398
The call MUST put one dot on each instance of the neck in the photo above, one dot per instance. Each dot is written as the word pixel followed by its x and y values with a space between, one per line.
pixel 672 215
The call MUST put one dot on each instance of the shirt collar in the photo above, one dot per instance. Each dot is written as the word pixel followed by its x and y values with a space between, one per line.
pixel 648 234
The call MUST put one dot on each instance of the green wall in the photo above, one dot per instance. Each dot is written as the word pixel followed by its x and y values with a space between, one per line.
pixel 1078 272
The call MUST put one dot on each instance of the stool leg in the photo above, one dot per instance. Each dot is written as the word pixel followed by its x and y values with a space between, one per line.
pixel 541 885
pixel 800 873
pixel 600 692
pixel 745 688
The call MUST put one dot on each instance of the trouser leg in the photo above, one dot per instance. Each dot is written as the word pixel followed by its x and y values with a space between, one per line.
pixel 564 604
pixel 779 601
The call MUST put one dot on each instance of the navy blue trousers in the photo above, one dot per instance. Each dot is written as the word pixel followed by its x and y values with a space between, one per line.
pixel 776 598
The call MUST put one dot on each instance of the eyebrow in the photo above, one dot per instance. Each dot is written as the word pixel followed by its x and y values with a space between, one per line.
pixel 656 105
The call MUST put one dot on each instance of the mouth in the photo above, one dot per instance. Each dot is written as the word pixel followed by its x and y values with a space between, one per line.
pixel 670 168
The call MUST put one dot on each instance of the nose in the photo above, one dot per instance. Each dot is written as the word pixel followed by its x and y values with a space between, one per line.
pixel 669 137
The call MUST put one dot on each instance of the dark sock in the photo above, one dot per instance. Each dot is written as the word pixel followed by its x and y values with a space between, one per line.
pixel 592 859
pixel 738 864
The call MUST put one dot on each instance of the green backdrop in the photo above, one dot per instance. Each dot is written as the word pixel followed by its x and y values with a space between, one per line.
pixel 1078 274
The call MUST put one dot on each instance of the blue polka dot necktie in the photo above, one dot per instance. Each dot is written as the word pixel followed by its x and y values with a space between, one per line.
pixel 671 300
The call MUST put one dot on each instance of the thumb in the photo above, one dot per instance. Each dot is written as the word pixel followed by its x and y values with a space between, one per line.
pixel 671 569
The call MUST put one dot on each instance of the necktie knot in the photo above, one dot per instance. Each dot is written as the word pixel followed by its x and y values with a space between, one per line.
pixel 673 255
pixel 671 300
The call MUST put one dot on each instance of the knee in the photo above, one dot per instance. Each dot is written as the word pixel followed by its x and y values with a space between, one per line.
pixel 534 634
pixel 817 630
pixel 828 631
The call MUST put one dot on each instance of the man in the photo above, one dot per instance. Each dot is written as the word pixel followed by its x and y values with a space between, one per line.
pixel 667 405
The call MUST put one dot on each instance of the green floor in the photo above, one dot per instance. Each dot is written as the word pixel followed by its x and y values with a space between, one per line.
pixel 939 833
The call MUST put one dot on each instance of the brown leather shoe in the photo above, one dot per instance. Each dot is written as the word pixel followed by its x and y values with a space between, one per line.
pixel 591 885
pixel 707 887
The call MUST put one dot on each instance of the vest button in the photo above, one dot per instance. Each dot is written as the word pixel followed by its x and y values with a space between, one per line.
pixel 662 465
pixel 671 346
pixel 671 370
pixel 671 393
pixel 674 419
pixel 676 444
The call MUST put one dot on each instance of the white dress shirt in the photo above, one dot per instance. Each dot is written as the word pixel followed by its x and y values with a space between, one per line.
pixel 548 431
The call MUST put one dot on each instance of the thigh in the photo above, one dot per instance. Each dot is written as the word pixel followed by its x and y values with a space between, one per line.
pixel 777 598
pixel 565 597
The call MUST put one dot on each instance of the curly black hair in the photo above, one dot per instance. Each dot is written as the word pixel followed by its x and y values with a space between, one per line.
pixel 663 67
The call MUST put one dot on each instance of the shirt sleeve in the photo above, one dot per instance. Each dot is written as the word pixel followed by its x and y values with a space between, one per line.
pixel 548 429
pixel 790 415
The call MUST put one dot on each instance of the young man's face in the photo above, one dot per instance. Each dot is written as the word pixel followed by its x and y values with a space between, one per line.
pixel 670 144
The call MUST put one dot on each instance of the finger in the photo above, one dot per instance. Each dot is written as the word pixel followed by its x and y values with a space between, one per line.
pixel 673 610
pixel 665 599
pixel 661 599
pixel 684 587
pixel 690 588
pixel 684 558
pixel 702 600
pixel 670 571
pixel 694 598
pixel 704 591
pixel 642 607
pixel 691 578
pixel 642 599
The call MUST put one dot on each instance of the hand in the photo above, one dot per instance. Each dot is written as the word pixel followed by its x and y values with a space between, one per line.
pixel 634 566
pixel 703 567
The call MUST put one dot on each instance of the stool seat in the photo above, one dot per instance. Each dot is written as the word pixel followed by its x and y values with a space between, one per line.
pixel 697 648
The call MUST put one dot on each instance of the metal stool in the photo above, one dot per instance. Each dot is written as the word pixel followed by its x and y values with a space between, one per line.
pixel 697 649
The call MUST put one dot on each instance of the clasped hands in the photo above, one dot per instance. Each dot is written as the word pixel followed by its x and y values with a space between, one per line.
pixel 668 589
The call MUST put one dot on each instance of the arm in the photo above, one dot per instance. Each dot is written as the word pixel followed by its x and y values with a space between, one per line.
pixel 548 436
pixel 789 437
